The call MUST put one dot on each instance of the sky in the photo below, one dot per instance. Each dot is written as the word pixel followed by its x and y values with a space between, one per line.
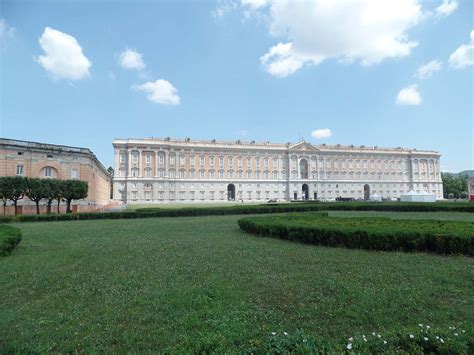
pixel 363 72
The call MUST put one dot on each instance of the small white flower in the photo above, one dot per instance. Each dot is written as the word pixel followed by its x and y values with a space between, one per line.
pixel 425 338
pixel 456 334
pixel 285 333
pixel 441 340
pixel 385 342
pixel 420 325
pixel 351 339
pixel 379 336
pixel 463 331
pixel 437 337
pixel 411 336
pixel 428 327
pixel 349 346
pixel 273 333
pixel 373 333
pixel 451 328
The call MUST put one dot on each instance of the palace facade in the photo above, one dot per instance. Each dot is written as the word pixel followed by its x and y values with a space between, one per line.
pixel 154 170
pixel 41 160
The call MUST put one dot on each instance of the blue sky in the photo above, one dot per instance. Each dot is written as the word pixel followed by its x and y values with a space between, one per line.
pixel 250 69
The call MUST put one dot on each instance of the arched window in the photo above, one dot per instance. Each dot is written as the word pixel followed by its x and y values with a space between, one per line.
pixel 303 169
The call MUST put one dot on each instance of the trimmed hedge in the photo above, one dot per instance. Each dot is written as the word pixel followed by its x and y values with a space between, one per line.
pixel 441 237
pixel 250 209
pixel 9 239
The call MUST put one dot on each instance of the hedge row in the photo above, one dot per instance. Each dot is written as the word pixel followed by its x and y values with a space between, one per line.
pixel 442 237
pixel 352 206
pixel 9 239
pixel 250 209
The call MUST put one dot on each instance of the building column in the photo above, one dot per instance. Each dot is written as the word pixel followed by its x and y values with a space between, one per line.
pixel 140 165
pixel 129 162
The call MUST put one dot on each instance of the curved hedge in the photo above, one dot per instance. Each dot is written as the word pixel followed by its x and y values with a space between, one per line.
pixel 442 237
pixel 9 239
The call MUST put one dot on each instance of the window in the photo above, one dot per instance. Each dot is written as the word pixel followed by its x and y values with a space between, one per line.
pixel 161 173
pixel 239 162
pixel 211 161
pixel 48 171
pixel 191 174
pixel 161 159
pixel 172 174
pixel 20 153
pixel 249 174
pixel 135 158
pixel 20 169
pixel 172 159
pixel 134 172
pixel 221 174
pixel 265 162
pixel 148 158
pixel 74 174
pixel 231 161
pixel 182 174
pixel 202 160
pixel 202 174
pixel 191 160
pixel 221 161
pixel 49 155
pixel 148 172
pixel 211 174
pixel 122 158
pixel 181 159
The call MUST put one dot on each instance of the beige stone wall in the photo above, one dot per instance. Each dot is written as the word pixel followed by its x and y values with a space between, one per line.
pixel 64 163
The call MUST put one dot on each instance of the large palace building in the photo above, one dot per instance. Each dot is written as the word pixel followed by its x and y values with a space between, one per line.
pixel 154 170
pixel 41 160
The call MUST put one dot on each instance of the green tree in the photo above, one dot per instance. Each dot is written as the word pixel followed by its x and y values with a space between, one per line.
pixel 4 192
pixel 17 186
pixel 35 191
pixel 73 190
pixel 111 172
pixel 455 186
pixel 53 192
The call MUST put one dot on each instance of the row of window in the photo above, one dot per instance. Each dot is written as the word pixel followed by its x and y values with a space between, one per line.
pixel 47 171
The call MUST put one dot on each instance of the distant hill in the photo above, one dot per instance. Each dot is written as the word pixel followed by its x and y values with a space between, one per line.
pixel 469 173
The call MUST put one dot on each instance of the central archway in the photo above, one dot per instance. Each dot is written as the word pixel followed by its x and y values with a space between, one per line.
pixel 305 192
pixel 230 192
pixel 366 192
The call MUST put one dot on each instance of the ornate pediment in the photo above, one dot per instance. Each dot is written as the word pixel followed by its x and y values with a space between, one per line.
pixel 303 146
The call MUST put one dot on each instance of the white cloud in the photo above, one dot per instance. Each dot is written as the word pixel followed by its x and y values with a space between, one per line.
pixel 160 91
pixel 409 96
pixel 280 61
pixel 368 31
pixel 464 55
pixel 321 133
pixel 446 8
pixel 6 31
pixel 254 4
pixel 63 57
pixel 130 59
pixel 223 7
pixel 426 70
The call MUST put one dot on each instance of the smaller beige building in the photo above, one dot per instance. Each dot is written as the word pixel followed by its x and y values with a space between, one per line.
pixel 40 160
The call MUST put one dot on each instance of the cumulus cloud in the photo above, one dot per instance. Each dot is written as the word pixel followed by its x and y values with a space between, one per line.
pixel 255 4
pixel 426 70
pixel 464 55
pixel 321 133
pixel 63 57
pixel 280 60
pixel 446 8
pixel 409 96
pixel 6 31
pixel 365 31
pixel 130 59
pixel 160 91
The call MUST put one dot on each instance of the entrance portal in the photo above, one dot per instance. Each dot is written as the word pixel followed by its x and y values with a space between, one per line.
pixel 305 191
pixel 230 192
pixel 366 192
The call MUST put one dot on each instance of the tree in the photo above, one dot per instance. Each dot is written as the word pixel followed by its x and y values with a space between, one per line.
pixel 4 192
pixel 73 190
pixel 36 191
pixel 111 172
pixel 16 186
pixel 53 192
pixel 455 186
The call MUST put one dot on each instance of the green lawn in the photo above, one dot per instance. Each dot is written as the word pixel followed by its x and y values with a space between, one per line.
pixel 197 205
pixel 199 283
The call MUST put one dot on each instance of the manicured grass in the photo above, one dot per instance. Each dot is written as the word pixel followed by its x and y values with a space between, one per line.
pixel 199 283
pixel 132 207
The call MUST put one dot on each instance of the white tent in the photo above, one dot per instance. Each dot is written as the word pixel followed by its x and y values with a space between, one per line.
pixel 375 197
pixel 413 196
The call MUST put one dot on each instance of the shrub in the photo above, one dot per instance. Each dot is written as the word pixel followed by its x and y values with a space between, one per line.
pixel 9 239
pixel 442 237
